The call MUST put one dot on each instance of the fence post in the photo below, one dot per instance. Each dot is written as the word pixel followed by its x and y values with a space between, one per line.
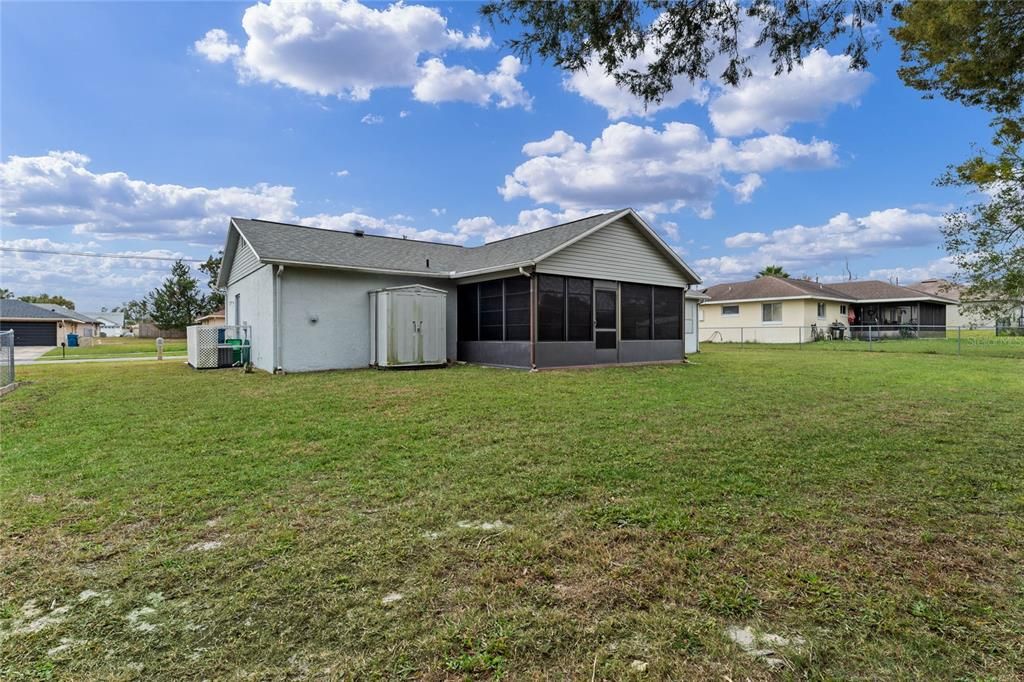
pixel 958 340
pixel 741 337
pixel 800 338
pixel 869 338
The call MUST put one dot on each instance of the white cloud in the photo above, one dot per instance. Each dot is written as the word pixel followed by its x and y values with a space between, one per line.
pixel 771 103
pixel 89 282
pixel 216 46
pixel 440 83
pixel 372 119
pixel 489 230
pixel 403 114
pixel 594 85
pixel 439 211
pixel 745 188
pixel 60 189
pixel 344 48
pixel 804 248
pixel 944 268
pixel 342 173
pixel 671 229
pixel 657 171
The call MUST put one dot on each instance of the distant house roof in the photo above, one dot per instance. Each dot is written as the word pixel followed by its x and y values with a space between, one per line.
pixel 873 290
pixel 286 244
pixel 14 309
pixel 210 316
pixel 67 313
pixel 776 288
pixel 113 319
pixel 938 287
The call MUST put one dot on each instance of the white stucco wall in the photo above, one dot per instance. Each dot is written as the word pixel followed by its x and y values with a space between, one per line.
pixel 257 311
pixel 340 338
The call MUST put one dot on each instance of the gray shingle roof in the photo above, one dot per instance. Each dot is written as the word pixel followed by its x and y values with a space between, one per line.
pixel 873 290
pixel 772 287
pixel 14 309
pixel 283 242
pixel 116 318
pixel 778 287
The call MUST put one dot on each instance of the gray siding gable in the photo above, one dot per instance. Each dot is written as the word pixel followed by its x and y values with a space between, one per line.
pixel 245 262
pixel 617 251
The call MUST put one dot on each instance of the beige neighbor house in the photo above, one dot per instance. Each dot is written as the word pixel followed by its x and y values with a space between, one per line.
pixel 782 310
pixel 960 314
pixel 214 319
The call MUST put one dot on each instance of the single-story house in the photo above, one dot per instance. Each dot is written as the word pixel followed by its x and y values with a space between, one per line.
pixel 111 324
pixel 784 310
pixel 213 319
pixel 44 324
pixel 960 313
pixel 602 290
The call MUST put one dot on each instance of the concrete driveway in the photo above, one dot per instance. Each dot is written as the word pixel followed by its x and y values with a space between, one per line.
pixel 25 355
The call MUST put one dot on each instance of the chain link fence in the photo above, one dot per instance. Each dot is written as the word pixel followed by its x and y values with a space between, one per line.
pixel 6 358
pixel 1001 341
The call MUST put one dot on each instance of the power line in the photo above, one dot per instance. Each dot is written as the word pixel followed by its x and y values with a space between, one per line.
pixel 100 255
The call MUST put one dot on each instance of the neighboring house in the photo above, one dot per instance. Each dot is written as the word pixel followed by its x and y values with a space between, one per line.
pixel 604 289
pixel 111 324
pixel 960 314
pixel 782 310
pixel 212 320
pixel 43 324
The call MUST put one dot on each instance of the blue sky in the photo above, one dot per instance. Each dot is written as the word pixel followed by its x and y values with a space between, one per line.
pixel 137 129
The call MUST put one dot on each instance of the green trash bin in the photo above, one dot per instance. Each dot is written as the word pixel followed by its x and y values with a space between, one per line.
pixel 240 350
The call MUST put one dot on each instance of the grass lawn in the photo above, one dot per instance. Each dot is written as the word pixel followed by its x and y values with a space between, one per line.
pixel 476 522
pixel 109 347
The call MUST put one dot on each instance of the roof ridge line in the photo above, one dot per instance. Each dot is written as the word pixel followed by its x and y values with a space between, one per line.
pixel 351 232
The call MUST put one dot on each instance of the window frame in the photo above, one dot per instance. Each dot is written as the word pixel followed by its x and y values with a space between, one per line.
pixel 842 309
pixel 678 300
pixel 772 304
pixel 732 305
pixel 622 312
pixel 562 317
pixel 822 310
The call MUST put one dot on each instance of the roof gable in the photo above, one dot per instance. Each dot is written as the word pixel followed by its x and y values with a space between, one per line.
pixel 286 244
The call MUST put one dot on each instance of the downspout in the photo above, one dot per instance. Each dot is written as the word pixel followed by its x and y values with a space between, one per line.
pixel 533 316
pixel 685 290
pixel 278 327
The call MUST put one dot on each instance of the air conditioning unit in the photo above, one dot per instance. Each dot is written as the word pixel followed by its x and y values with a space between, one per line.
pixel 210 347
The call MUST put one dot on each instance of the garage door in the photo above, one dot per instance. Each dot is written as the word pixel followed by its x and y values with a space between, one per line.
pixel 33 333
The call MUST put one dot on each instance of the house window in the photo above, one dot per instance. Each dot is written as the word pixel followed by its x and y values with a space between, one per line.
pixel 728 310
pixel 842 309
pixel 821 311
pixel 517 309
pixel 550 308
pixel 700 313
pixel 771 312
pixel 578 297
pixel 668 309
pixel 468 320
pixel 636 312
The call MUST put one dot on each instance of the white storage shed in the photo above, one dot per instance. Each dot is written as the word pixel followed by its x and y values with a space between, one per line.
pixel 407 326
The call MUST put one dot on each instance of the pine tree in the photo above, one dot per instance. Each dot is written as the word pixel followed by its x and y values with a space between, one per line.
pixel 178 301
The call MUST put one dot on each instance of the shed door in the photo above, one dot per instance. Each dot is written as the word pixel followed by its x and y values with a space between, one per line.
pixel 403 342
pixel 32 333
pixel 690 331
pixel 432 328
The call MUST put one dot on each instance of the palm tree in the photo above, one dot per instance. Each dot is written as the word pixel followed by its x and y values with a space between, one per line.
pixel 773 271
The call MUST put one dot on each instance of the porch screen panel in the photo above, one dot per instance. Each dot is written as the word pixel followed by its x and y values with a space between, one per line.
pixel 550 308
pixel 579 301
pixel 668 308
pixel 636 312
pixel 468 330
pixel 491 321
pixel 517 309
